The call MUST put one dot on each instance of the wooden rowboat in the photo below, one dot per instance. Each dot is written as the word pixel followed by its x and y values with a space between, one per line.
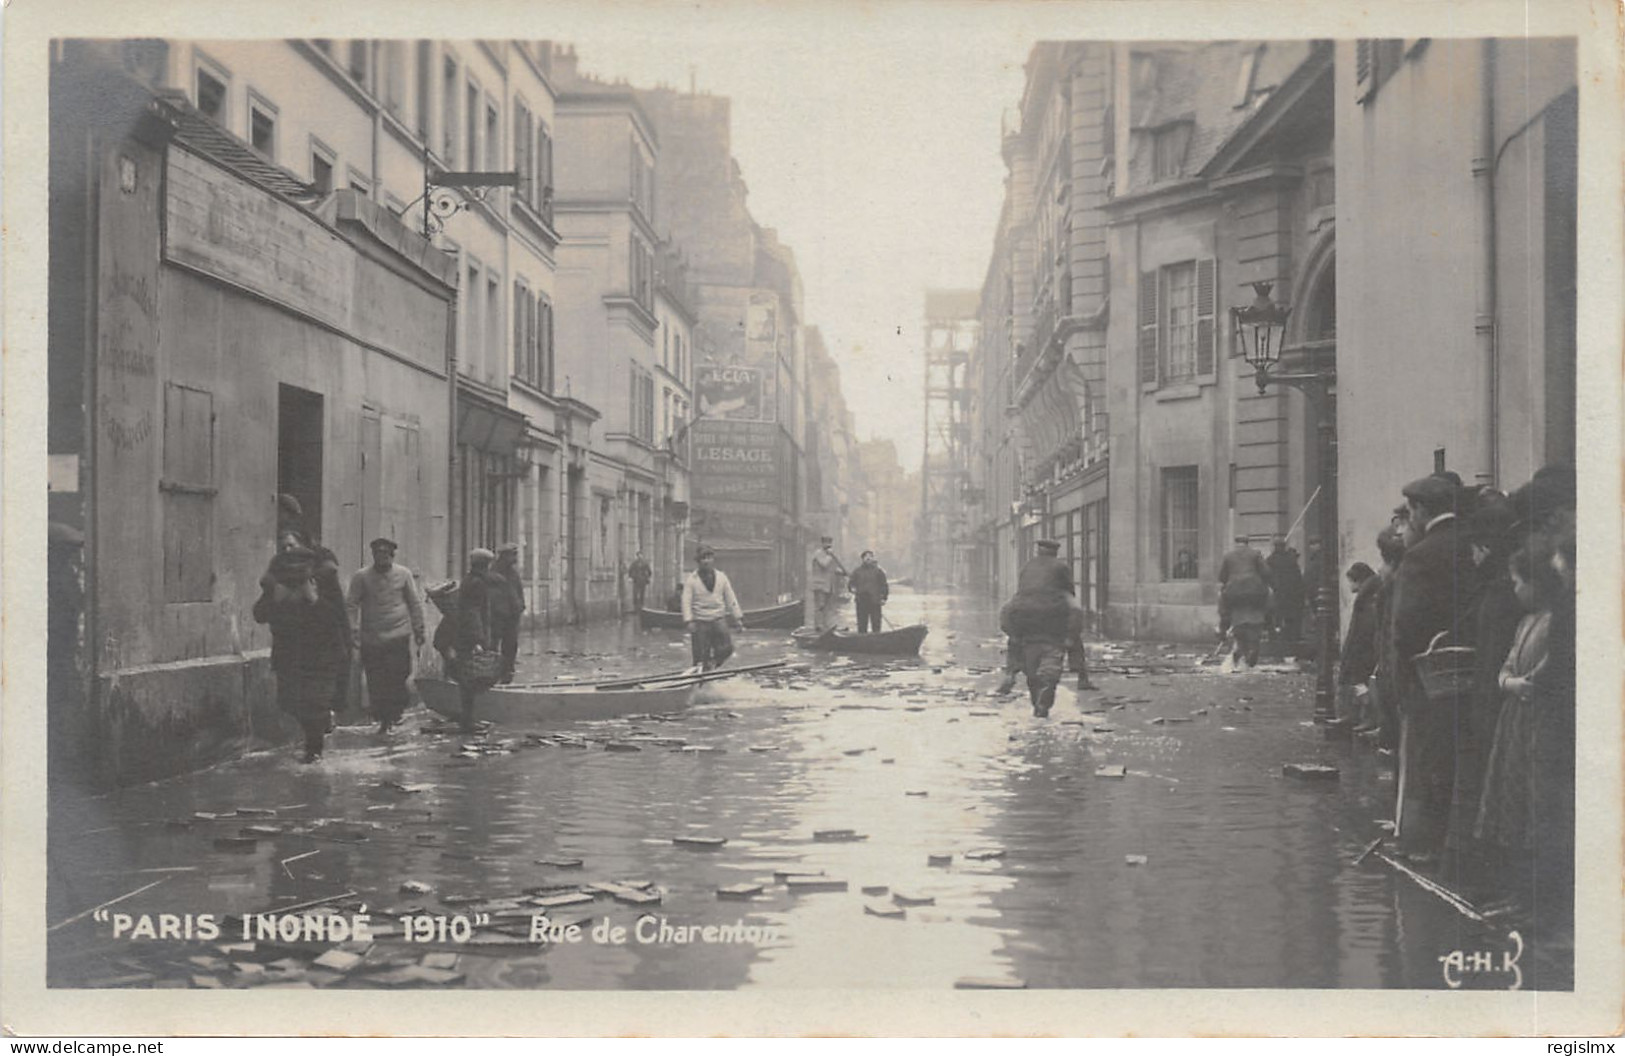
pixel 532 705
pixel 780 617
pixel 904 641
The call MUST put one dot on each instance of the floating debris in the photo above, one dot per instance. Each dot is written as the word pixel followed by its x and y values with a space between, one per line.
pixel 906 899
pixel 255 812
pixel 415 887
pixel 1111 771
pixel 740 891
pixel 838 835
pixel 338 960
pixel 916 792
pixel 978 982
pixel 986 855
pixel 560 863
pixel 574 898
pixel 806 884
pixel 786 875
pixel 260 830
pixel 1310 771
pixel 875 889
pixel 939 859
pixel 707 843
pixel 1135 859
pixel 885 909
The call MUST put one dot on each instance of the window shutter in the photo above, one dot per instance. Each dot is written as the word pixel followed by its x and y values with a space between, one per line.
pixel 1364 71
pixel 1205 333
pixel 519 298
pixel 1148 328
pixel 521 148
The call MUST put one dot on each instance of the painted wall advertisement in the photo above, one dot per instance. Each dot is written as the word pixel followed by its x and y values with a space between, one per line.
pixel 736 462
pixel 729 392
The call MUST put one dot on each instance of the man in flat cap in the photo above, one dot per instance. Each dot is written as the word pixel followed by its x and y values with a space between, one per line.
pixel 386 616
pixel 709 608
pixel 1244 599
pixel 507 606
pixel 1434 589
pixel 1038 620
pixel 826 579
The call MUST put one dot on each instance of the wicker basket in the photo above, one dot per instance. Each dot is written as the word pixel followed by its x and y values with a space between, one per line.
pixel 1447 671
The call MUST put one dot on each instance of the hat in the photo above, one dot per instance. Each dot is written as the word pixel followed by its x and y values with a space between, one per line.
pixel 1491 523
pixel 1048 544
pixel 508 548
pixel 704 552
pixel 480 553
pixel 826 539
pixel 1434 492
pixel 381 543
pixel 1244 538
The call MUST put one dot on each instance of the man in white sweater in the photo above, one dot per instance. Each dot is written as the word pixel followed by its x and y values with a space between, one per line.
pixel 387 613
pixel 709 606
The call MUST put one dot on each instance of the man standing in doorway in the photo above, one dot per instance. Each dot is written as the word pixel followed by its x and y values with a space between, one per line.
pixel 709 606
pixel 639 573
pixel 825 580
pixel 870 590
pixel 507 606
pixel 386 615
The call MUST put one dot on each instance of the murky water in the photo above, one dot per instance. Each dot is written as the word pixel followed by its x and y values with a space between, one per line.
pixel 1201 866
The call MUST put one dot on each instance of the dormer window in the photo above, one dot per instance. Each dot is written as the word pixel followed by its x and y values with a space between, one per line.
pixel 1169 146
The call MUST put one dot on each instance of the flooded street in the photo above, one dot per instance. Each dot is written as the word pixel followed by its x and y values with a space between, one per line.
pixel 986 847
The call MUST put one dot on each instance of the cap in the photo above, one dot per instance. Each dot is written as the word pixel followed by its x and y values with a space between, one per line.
pixel 704 552
pixel 1048 544
pixel 1436 493
pixel 381 543
pixel 508 548
pixel 479 553
pixel 826 539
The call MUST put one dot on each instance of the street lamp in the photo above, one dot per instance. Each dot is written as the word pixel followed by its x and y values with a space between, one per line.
pixel 1260 330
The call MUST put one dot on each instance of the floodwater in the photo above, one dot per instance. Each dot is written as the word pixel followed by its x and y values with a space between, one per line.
pixel 1016 863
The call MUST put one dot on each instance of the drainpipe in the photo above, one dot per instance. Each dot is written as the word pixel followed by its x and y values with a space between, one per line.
pixel 452 569
pixel 1485 303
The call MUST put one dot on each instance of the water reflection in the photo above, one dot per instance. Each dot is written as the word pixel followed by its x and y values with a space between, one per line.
pixel 1246 880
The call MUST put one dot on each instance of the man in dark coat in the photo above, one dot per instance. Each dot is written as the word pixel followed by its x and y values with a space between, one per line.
pixel 310 641
pixel 1286 580
pixel 1244 595
pixel 870 591
pixel 1038 621
pixel 507 606
pixel 639 573
pixel 1358 659
pixel 475 622
pixel 1435 590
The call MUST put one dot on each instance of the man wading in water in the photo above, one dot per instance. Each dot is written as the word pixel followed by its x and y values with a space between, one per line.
pixel 709 606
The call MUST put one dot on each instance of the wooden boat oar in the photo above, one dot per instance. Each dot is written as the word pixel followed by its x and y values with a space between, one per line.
pixel 583 683
pixel 690 676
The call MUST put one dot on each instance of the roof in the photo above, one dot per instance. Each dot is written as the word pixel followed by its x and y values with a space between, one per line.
pixel 197 132
pixel 1201 86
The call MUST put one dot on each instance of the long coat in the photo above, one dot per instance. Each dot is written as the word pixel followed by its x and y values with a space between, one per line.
pixel 1436 589
pixel 1243 576
pixel 1359 656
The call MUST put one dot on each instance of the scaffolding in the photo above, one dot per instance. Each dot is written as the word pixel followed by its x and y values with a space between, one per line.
pixel 951 331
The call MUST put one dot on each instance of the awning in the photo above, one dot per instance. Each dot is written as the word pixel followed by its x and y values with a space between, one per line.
pixel 486 425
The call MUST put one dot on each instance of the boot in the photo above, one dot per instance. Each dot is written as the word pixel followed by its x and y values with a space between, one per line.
pixel 1008 686
pixel 1084 683
pixel 1045 700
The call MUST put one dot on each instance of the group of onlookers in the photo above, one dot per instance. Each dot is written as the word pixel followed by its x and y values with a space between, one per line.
pixel 1479 584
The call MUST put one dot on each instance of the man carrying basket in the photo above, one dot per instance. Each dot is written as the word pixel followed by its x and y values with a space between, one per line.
pixel 1434 592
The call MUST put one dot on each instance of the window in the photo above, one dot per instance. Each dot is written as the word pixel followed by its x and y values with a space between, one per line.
pixel 524 153
pixel 262 126
pixel 533 338
pixel 1374 62
pixel 1179 304
pixel 472 316
pixel 425 86
pixel 471 127
pixel 357 65
pixel 392 60
pixel 1179 532
pixel 188 489
pixel 322 162
pixel 1168 148
pixel 1176 322
pixel 641 267
pixel 448 111
pixel 212 96
pixel 360 184
pixel 493 137
pixel 493 333
pixel 544 171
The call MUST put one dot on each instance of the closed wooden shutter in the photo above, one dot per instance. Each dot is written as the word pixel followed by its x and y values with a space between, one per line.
pixel 1148 328
pixel 1206 272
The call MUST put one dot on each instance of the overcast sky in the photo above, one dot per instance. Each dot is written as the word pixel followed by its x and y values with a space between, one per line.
pixel 873 149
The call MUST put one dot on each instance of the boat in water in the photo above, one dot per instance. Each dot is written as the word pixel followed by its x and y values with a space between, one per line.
pixel 780 617
pixel 534 705
pixel 903 641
